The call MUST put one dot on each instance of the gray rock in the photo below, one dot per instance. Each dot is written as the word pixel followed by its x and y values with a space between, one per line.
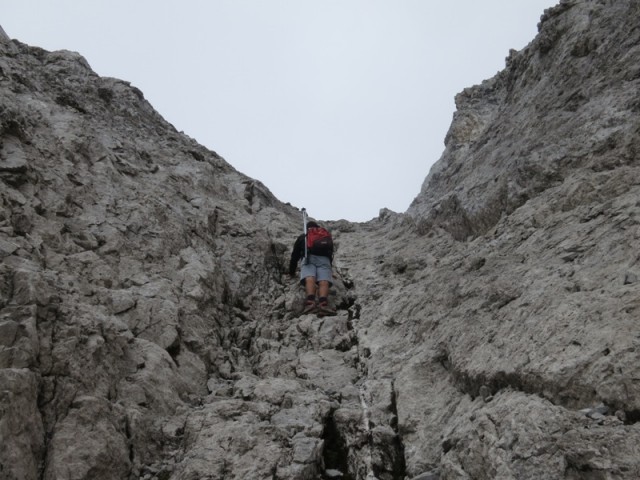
pixel 331 473
pixel 427 476
pixel 3 36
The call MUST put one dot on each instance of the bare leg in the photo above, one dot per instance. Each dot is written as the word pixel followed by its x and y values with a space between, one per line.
pixel 323 291
pixel 323 294
pixel 310 286
pixel 310 290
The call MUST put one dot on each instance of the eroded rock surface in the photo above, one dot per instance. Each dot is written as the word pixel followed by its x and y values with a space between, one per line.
pixel 148 329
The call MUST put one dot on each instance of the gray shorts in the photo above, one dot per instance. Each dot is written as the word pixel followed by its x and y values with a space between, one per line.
pixel 318 267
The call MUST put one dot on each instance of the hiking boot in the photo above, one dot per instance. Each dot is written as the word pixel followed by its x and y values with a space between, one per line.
pixel 325 309
pixel 310 306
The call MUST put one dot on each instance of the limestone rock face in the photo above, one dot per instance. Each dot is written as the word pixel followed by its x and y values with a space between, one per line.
pixel 148 328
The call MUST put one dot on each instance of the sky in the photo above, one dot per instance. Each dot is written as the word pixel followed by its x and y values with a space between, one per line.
pixel 338 106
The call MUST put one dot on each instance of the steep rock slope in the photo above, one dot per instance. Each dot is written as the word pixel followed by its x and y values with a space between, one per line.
pixel 147 329
pixel 504 306
pixel 134 263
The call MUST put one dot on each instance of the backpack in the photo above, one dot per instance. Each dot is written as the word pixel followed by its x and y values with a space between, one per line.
pixel 319 242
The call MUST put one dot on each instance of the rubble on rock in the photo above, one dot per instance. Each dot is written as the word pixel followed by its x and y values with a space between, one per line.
pixel 148 328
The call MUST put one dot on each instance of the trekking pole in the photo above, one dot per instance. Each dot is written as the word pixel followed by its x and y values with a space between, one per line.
pixel 304 223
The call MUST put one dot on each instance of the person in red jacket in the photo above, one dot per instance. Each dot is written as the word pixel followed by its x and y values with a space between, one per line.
pixel 316 269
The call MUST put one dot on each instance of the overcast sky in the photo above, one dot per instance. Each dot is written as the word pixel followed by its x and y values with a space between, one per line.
pixel 339 106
